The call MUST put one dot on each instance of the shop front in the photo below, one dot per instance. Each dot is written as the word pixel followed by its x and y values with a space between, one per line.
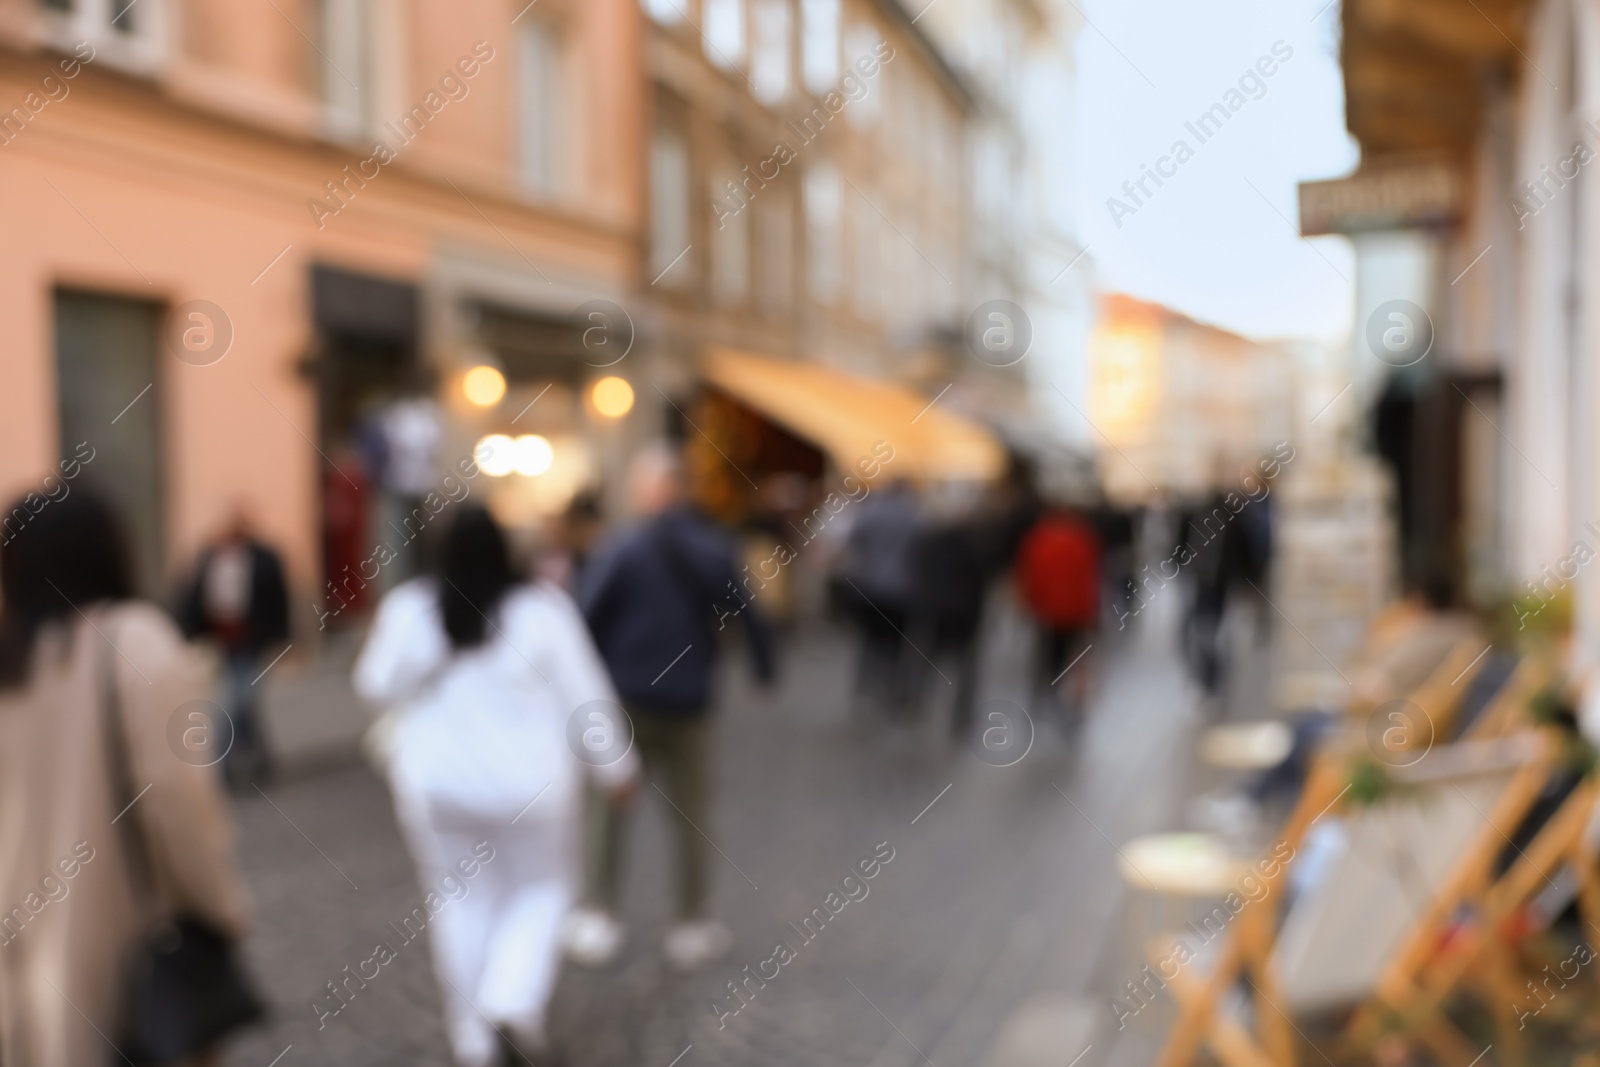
pixel 784 449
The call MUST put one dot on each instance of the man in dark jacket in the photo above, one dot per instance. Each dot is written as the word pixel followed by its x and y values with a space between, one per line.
pixel 946 607
pixel 655 599
pixel 879 584
pixel 238 598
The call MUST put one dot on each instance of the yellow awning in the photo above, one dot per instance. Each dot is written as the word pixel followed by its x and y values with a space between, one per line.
pixel 846 416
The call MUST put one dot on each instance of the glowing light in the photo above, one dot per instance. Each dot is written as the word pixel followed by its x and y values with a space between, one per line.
pixel 496 455
pixel 613 397
pixel 484 385
pixel 532 454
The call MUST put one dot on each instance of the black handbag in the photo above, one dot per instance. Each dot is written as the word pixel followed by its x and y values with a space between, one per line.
pixel 183 988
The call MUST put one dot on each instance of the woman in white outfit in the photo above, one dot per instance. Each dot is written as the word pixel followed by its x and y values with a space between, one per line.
pixel 484 673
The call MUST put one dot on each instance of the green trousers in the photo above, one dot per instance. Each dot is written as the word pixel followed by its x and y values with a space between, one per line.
pixel 676 757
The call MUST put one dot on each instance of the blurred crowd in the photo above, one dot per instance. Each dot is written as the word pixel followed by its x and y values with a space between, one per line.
pixel 521 700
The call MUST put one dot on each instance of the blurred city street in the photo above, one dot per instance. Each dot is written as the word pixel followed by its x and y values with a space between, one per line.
pixel 902 533
pixel 996 926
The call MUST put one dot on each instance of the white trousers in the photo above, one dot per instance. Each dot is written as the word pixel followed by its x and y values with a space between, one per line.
pixel 496 949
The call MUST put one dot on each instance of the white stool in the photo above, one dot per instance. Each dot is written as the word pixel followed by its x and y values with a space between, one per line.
pixel 1171 873
pixel 1247 746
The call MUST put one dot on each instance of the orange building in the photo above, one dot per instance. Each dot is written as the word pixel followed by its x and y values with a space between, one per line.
pixel 237 231
pixel 1180 405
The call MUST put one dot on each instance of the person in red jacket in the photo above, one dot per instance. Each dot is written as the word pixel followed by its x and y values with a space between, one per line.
pixel 1058 578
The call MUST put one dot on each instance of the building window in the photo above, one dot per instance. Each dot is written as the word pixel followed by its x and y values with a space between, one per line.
pixel 775 244
pixel 947 156
pixel 867 270
pixel 822 204
pixel 666 12
pixel 860 43
pixel 669 208
pixel 723 32
pixel 541 131
pixel 129 35
pixel 900 264
pixel 769 50
pixel 346 75
pixel 819 44
pixel 990 182
pixel 730 243
pixel 943 273
pixel 107 348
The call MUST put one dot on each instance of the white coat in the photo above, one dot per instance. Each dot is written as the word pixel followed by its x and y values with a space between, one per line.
pixel 480 753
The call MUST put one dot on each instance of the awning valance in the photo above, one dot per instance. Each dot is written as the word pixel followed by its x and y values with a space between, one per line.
pixel 846 416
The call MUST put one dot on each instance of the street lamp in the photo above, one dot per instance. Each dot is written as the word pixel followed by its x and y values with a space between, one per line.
pixel 484 385
pixel 532 455
pixel 612 397
pixel 496 455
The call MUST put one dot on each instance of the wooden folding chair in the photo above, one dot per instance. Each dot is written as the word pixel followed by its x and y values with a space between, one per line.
pixel 1496 976
pixel 1444 954
pixel 1507 775
pixel 1495 968
pixel 1244 952
pixel 1439 696
pixel 1247 952
pixel 1508 709
pixel 1460 656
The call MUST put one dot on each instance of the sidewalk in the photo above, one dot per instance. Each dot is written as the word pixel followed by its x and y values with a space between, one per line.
pixel 992 936
pixel 310 715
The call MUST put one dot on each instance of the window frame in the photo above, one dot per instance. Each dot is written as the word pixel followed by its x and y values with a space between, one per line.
pixel 559 125
pixel 812 78
pixel 144 49
pixel 782 26
pixel 674 268
pixel 342 119
pixel 732 55
pixel 824 265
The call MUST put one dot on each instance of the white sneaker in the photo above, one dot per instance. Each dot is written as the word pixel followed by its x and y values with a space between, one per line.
pixel 693 944
pixel 591 937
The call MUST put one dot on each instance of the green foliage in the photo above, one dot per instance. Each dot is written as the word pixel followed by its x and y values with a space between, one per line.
pixel 1547 707
pixel 1370 782
pixel 1551 708
pixel 1577 754
pixel 1528 622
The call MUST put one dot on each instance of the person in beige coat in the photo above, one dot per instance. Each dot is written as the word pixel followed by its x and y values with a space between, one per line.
pixel 71 908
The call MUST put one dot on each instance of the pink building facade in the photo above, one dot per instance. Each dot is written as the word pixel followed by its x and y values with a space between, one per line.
pixel 236 228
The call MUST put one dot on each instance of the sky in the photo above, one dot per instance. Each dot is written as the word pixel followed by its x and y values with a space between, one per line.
pixel 1219 239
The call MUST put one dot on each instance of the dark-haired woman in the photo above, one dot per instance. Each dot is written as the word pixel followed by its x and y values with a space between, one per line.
pixel 110 818
pixel 488 673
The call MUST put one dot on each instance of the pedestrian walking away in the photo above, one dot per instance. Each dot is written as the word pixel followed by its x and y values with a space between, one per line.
pixel 111 834
pixel 1218 551
pixel 876 581
pixel 484 672
pixel 947 605
pixel 1058 579
pixel 656 599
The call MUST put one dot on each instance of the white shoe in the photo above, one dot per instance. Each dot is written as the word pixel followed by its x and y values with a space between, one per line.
pixel 694 944
pixel 591 938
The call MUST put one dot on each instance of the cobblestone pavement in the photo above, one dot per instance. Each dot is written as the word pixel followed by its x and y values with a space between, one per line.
pixel 1002 885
